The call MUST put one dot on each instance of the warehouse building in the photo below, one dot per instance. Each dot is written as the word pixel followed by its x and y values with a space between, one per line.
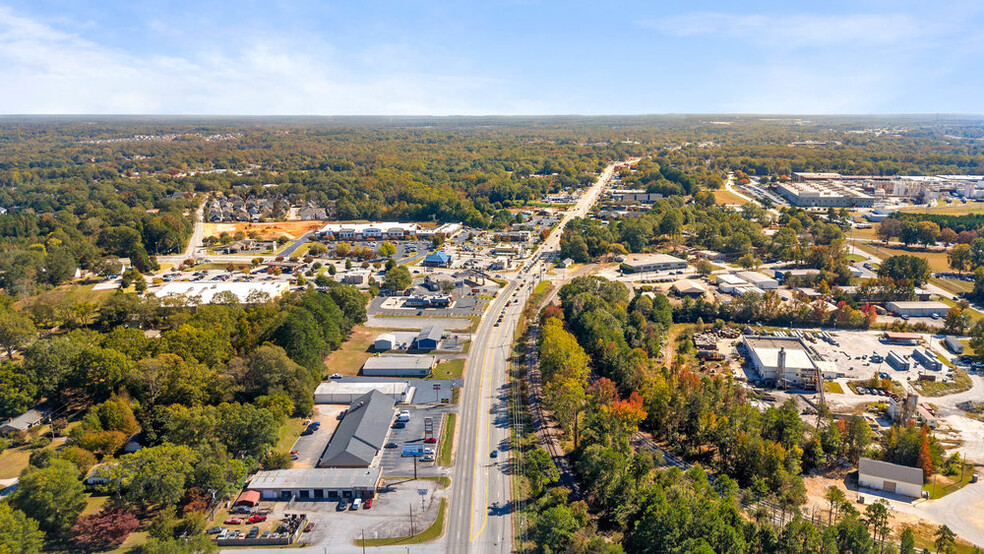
pixel 953 344
pixel 727 282
pixel 917 308
pixel 362 432
pixel 316 484
pixel 783 360
pixel 655 262
pixel 346 392
pixel 824 194
pixel 384 342
pixel 428 339
pixel 689 288
pixel 905 339
pixel 889 477
pixel 399 365
pixel 759 280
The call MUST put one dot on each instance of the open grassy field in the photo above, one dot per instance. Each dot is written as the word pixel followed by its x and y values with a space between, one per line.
pixel 449 369
pixel 834 387
pixel 974 314
pixel 722 196
pixel 942 485
pixel 961 382
pixel 936 258
pixel 955 287
pixel 354 352
pixel 447 440
pixel 949 209
pixel 864 233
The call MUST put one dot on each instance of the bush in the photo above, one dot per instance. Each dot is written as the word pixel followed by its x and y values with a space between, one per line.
pixel 277 460
pixel 40 442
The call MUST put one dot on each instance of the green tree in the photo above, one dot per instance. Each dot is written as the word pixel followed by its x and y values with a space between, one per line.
pixel 153 476
pixel 16 331
pixel 905 267
pixel 959 257
pixel 17 392
pixel 945 541
pixel 398 278
pixel 835 498
pixel 53 496
pixel 387 249
pixel 907 542
pixel 19 534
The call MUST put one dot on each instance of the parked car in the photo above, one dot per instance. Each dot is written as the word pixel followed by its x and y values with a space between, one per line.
pixel 309 527
pixel 335 376
pixel 399 425
pixel 294 454
pixel 214 530
pixel 233 520
pixel 256 518
pixel 265 535
pixel 356 504
pixel 368 503
pixel 223 534
pixel 430 440
pixel 392 444
pixel 253 532
pixel 427 458
pixel 342 505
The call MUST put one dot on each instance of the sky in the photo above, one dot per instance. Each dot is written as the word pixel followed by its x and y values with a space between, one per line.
pixel 520 57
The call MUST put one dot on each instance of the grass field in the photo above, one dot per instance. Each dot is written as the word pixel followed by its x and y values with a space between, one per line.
pixel 943 485
pixel 974 314
pixel 864 233
pixel 722 196
pixel 434 531
pixel 955 287
pixel 447 440
pixel 949 209
pixel 961 382
pixel 289 431
pixel 937 259
pixel 348 359
pixel 449 369
pixel 833 387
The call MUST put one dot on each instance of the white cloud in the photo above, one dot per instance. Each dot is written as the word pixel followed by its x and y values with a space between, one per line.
pixel 50 71
pixel 798 30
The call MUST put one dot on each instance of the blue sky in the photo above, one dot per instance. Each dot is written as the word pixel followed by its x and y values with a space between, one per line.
pixel 490 57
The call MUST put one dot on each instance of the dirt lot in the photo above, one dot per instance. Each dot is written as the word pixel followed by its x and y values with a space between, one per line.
pixel 267 230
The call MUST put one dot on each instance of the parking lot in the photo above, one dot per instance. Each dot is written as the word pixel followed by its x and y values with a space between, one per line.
pixel 393 462
pixel 310 447
pixel 854 349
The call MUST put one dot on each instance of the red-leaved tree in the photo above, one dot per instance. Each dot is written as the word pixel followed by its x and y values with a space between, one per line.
pixel 105 530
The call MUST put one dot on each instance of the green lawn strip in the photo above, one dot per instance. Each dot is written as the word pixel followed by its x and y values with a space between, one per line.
pixel 929 544
pixel 447 440
pixel 968 351
pixel 449 369
pixel 939 490
pixel 833 387
pixel 289 431
pixel 433 532
pixel 455 395
pixel 954 287
pixel 971 312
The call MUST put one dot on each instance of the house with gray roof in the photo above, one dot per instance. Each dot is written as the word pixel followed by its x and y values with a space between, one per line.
pixel 362 432
pixel 889 477
pixel 22 422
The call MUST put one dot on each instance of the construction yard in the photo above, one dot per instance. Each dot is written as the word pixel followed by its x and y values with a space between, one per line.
pixel 266 230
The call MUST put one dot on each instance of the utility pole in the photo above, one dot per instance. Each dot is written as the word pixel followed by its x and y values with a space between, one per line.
pixel 363 541
pixel 414 468
pixel 411 520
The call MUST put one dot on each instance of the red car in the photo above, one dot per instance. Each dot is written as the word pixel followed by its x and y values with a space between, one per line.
pixel 367 503
pixel 256 518
pixel 309 527
pixel 430 440
pixel 233 520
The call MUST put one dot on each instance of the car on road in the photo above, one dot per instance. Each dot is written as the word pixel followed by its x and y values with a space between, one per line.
pixel 233 520
pixel 335 376
pixel 494 454
pixel 294 454
pixel 392 444
pixel 430 440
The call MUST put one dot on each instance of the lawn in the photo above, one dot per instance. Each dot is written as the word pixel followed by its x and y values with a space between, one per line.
pixel 949 209
pixel 433 532
pixel 289 432
pixel 864 233
pixel 937 259
pixel 834 387
pixel 354 352
pixel 953 287
pixel 13 461
pixel 961 382
pixel 449 369
pixel 974 314
pixel 447 440
pixel 722 196
pixel 943 485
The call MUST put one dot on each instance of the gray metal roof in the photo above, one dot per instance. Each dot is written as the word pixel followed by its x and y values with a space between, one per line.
pixel 362 432
pixel 432 332
pixel 890 471
pixel 24 421
pixel 332 478
pixel 399 361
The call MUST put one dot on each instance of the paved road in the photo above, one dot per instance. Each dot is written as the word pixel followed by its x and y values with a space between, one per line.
pixel 194 243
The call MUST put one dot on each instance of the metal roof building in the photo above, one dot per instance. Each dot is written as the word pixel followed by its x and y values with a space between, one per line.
pixel 316 484
pixel 428 339
pixel 346 392
pixel 399 365
pixel 917 308
pixel 361 434
pixel 655 262
pixel 889 477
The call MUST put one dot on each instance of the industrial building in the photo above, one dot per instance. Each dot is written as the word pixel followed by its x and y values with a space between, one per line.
pixel 655 262
pixel 362 432
pixel 783 360
pixel 206 291
pixel 399 365
pixel 897 362
pixel 316 484
pixel 905 339
pixel 824 194
pixel 889 477
pixel 727 282
pixel 346 392
pixel 428 339
pixel 689 288
pixel 953 344
pixel 917 308
pixel 927 359
pixel 759 280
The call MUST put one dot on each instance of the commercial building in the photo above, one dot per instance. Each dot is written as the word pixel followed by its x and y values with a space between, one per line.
pixel 347 392
pixel 362 432
pixel 759 280
pixel 428 339
pixel 355 277
pixel 783 360
pixel 369 231
pixel 512 251
pixel 781 274
pixel 384 342
pixel 437 259
pixel 727 282
pixel 316 484
pixel 905 339
pixel 429 301
pixel 889 477
pixel 824 194
pixel 22 422
pixel 206 291
pixel 689 288
pixel 655 262
pixel 399 365
pixel 917 308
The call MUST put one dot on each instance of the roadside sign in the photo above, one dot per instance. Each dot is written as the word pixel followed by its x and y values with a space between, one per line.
pixel 437 387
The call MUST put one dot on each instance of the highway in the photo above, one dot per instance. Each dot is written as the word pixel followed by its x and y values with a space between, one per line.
pixel 480 514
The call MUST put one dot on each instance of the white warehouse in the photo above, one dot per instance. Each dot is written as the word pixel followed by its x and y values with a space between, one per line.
pixel 759 280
